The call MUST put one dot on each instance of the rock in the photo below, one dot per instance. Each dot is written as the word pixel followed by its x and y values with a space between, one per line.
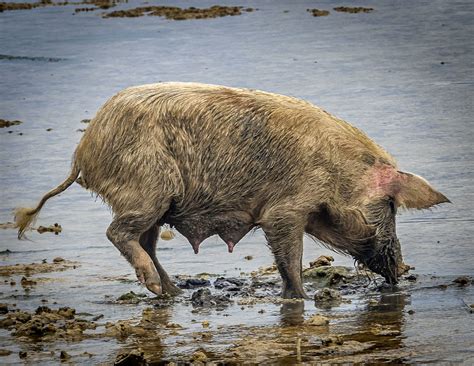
pixel 404 268
pixel 131 297
pixel 97 317
pixel 5 352
pixel 67 312
pixel 411 278
pixel 26 282
pixel 332 340
pixel 248 257
pixel 58 259
pixel 133 357
pixel 122 329
pixel 317 321
pixel 327 297
pixel 326 276
pixel 64 356
pixel 462 281
pixel 322 260
pixel 199 356
pixel 204 298
pixel 230 284
pixel 21 316
pixel 7 322
pixel 3 308
pixel 262 271
pixel 192 283
pixel 42 309
pixel 22 354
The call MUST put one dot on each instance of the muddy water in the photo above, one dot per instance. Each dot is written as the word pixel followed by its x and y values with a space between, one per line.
pixel 402 73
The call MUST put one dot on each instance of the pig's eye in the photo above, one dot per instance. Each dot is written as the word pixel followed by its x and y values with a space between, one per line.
pixel 391 203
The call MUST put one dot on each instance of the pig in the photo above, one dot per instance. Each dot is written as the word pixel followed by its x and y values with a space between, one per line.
pixel 209 159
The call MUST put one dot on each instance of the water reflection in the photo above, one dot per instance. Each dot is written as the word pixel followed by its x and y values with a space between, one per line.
pixel 292 313
pixel 383 321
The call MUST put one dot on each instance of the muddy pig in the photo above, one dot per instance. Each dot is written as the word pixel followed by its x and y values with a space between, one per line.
pixel 210 159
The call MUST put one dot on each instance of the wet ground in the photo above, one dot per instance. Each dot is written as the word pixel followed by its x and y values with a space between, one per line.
pixel 402 72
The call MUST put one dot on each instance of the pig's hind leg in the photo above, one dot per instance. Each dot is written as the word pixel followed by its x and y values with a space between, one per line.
pixel 285 239
pixel 148 242
pixel 124 232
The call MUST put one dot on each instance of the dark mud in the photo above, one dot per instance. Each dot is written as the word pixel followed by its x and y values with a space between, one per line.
pixel 5 123
pixel 100 4
pixel 27 6
pixel 353 10
pixel 58 264
pixel 30 58
pixel 318 13
pixel 176 13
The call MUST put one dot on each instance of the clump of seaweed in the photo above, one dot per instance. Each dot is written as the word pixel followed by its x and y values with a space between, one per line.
pixel 317 12
pixel 353 10
pixel 176 13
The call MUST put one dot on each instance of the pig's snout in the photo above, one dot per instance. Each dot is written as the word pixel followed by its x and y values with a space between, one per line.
pixel 385 261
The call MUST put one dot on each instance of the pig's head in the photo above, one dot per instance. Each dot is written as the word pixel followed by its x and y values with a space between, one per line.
pixel 366 228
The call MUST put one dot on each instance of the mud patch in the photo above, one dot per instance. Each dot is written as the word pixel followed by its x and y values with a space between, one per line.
pixel 176 13
pixel 28 6
pixel 204 298
pixel 353 10
pixel 31 58
pixel 318 12
pixel 55 228
pixel 46 324
pixel 100 4
pixel 5 123
pixel 327 298
pixel 34 268
pixel 327 276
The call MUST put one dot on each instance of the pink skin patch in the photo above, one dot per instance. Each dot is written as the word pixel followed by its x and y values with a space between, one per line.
pixel 385 180
pixel 230 246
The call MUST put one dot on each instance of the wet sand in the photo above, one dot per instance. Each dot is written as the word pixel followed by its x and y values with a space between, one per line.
pixel 398 72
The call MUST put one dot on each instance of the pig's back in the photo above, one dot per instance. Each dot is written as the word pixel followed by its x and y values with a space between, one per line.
pixel 221 144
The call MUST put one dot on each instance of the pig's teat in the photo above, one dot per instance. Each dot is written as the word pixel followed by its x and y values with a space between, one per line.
pixel 230 246
pixel 195 244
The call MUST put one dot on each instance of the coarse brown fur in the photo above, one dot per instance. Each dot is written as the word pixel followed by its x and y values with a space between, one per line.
pixel 211 160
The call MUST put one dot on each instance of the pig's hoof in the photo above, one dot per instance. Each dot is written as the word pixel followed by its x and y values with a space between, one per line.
pixel 153 283
pixel 151 279
pixel 170 289
pixel 154 287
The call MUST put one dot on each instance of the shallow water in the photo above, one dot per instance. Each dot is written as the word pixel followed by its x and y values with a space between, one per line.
pixel 403 74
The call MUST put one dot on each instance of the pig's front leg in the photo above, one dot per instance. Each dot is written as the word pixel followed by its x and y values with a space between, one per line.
pixel 285 238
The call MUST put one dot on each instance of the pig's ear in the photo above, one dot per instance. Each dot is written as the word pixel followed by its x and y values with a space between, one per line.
pixel 416 192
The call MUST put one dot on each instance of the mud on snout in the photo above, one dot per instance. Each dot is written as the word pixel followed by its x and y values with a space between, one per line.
pixel 385 259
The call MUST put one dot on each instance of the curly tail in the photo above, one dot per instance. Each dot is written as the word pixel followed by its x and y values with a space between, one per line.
pixel 25 217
